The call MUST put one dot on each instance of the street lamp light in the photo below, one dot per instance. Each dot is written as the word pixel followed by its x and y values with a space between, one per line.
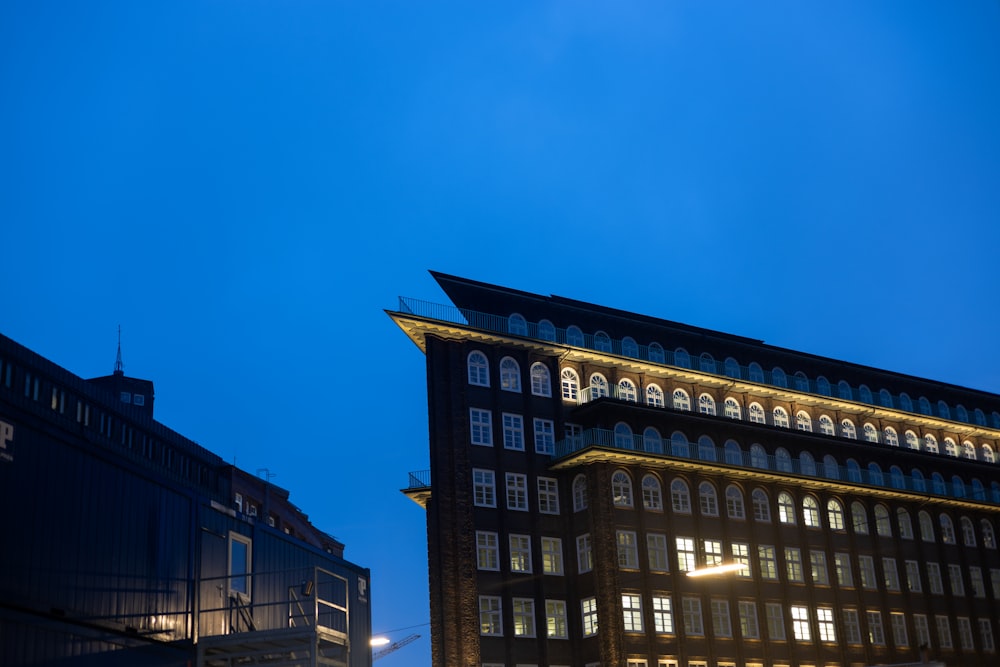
pixel 724 568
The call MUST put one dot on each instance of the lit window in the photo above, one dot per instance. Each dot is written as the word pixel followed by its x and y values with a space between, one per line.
pixel 686 556
pixel 793 565
pixel 555 619
pixel 570 385
pixel 889 436
pixel 632 612
pixel 490 620
pixel 652 498
pixel 520 553
pixel 706 404
pixel 848 430
pixel 810 512
pixel 663 616
pixel 552 559
pixel 800 623
pixel 786 508
pixel 654 396
pixel 627 390
pixel 826 425
pixel 803 421
pixel 768 561
pixel 731 408
pixel 870 433
pixel 621 489
pixel 681 400
pixel 588 609
pixel 780 417
pixel 756 413
pixel 598 386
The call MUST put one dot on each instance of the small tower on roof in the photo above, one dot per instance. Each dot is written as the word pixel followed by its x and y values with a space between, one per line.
pixel 135 392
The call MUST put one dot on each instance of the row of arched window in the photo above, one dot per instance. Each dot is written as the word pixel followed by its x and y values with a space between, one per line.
pixel 810 511
pixel 754 372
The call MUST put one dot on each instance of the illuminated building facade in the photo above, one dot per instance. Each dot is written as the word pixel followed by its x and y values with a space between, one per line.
pixel 125 543
pixel 585 461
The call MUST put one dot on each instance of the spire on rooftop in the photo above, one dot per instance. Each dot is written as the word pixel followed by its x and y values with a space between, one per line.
pixel 119 366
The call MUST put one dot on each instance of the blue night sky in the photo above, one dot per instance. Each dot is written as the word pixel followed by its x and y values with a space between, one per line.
pixel 245 185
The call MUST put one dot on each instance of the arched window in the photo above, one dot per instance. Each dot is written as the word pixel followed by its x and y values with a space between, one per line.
pixel 979 416
pixel 859 518
pixel 706 404
pixel 926 526
pixel 801 381
pixel 847 429
pixel 995 416
pixel 810 512
pixel 950 448
pixel 889 436
pixel 517 325
pixel 989 537
pixel 823 385
pixel 755 372
pixel 853 471
pixel 957 486
pixel 732 408
pixel 621 489
pixel 680 497
pixel 681 400
pixel 844 390
pixel 732 368
pixel 937 483
pixel 541 379
pixel 756 413
pixel 786 508
pixel 651 441
pixel 652 496
pixel 570 385
pixel 870 432
pixel 995 492
pixel 546 331
pixel 905 403
pixel 968 531
pixel 835 514
pixel 734 503
pixel 885 398
pixel 947 529
pixel 930 443
pixel 978 490
pixel 656 353
pixel 782 460
pixel 875 474
pixel 706 362
pixel 925 405
pixel 734 455
pixel 865 394
pixel 807 464
pixel 627 391
pixel 708 500
pixel 479 369
pixel 826 425
pixel 579 493
pixel 883 526
pixel 654 395
pixel 943 410
pixel 761 506
pixel 803 422
pixel 629 347
pixel 682 358
pixel 598 386
pixel 574 336
pixel 903 524
pixel 706 448
pixel 968 450
pixel 758 457
pixel 986 453
pixel 918 481
pixel 912 442
pixel 623 436
pixel 896 477
pixel 602 342
pixel 679 445
pixel 780 417
pixel 778 377
pixel 831 470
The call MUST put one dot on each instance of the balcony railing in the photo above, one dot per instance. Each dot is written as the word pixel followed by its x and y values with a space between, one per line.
pixel 421 479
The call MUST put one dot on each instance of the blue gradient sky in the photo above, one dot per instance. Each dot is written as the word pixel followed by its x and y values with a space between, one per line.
pixel 245 185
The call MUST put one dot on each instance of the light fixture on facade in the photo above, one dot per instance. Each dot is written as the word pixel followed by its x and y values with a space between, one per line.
pixel 725 568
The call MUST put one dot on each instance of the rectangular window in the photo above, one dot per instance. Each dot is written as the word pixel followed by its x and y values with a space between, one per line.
pixel 749 629
pixel 552 559
pixel 545 439
pixel 588 608
pixel 481 427
pixel 686 557
pixel 691 614
pixel 817 567
pixel 793 565
pixel 656 549
pixel 866 568
pixel 483 488
pixel 965 639
pixel 826 625
pixel 490 619
pixel 876 635
pixel 524 617
pixel 574 436
pixel 889 574
pixel 513 432
pixel 934 579
pixel 955 580
pixel 976 582
pixel 517 491
pixel 632 612
pixel 548 495
pixel 721 623
pixel 995 582
pixel 628 556
pixel 713 552
pixel 943 631
pixel 520 553
pixel 800 623
pixel 898 622
pixel 922 629
pixel 555 619
pixel 768 561
pixel 488 550
pixel 240 559
pixel 584 554
pixel 775 621
pixel 913 576
pixel 852 627
pixel 986 635
pixel 663 616
pixel 741 555
pixel 138 399
pixel 842 566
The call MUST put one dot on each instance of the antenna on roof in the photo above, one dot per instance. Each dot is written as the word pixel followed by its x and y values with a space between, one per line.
pixel 119 366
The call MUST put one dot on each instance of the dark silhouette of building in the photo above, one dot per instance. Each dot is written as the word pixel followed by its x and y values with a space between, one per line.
pixel 125 543
pixel 613 489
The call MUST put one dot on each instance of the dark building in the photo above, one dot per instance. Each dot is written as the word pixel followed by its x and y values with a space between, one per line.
pixel 613 489
pixel 125 543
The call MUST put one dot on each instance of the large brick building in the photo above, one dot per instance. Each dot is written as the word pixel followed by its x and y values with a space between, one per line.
pixel 587 464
